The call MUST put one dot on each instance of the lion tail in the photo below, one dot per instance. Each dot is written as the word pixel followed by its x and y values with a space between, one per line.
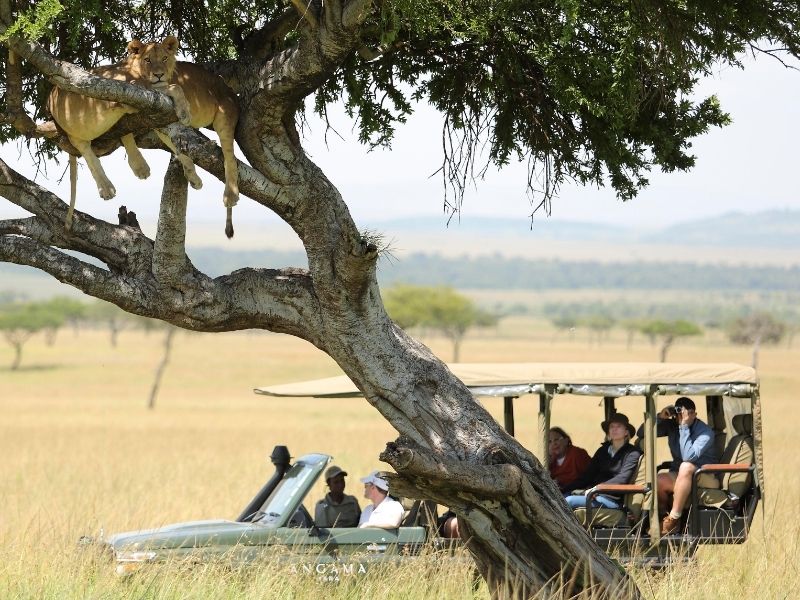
pixel 229 221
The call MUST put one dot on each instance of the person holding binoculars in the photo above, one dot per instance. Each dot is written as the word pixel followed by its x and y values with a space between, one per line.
pixel 691 443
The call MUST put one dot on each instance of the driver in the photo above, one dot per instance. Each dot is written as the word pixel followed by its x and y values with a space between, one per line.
pixel 336 509
pixel 385 512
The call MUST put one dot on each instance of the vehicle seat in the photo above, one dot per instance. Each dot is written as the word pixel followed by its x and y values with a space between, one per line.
pixel 632 505
pixel 418 513
pixel 738 451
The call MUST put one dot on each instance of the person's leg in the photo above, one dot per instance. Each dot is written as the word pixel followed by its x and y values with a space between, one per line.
pixel 576 501
pixel 665 484
pixel 601 501
pixel 682 488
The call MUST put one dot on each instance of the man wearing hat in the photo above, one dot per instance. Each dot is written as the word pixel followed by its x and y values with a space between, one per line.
pixel 336 509
pixel 691 443
pixel 384 512
pixel 614 462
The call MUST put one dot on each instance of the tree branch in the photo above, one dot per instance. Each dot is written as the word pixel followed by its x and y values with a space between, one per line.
pixel 170 263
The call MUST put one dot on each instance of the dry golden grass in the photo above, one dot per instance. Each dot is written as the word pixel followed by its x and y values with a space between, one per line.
pixel 81 452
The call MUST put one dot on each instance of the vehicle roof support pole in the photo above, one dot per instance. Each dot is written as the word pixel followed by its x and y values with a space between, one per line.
pixel 609 407
pixel 758 438
pixel 508 414
pixel 651 500
pixel 545 401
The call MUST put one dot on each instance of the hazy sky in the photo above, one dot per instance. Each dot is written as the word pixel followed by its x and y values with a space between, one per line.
pixel 749 166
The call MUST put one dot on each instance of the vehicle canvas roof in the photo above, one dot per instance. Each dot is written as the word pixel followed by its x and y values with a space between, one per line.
pixel 493 377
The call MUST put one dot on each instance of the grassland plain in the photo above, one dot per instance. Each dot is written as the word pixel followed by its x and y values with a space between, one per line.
pixel 81 452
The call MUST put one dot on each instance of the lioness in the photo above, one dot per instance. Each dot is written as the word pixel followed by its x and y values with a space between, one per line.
pixel 201 99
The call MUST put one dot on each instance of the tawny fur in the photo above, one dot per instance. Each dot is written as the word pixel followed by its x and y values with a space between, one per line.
pixel 201 100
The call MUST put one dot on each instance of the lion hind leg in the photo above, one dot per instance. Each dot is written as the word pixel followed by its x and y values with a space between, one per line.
pixel 136 161
pixel 186 162
pixel 104 185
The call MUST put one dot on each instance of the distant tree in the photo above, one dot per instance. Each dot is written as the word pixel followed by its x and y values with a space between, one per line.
pixel 565 323
pixel 439 308
pixel 67 310
pixel 598 325
pixel 169 333
pixel 668 332
pixel 110 315
pixel 756 329
pixel 18 323
pixel 631 327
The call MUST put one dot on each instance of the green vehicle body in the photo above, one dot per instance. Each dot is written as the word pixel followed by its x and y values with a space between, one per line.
pixel 275 525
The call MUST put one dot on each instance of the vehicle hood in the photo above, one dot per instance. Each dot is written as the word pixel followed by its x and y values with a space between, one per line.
pixel 191 534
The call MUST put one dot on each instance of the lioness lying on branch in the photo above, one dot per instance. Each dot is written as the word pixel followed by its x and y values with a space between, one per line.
pixel 201 100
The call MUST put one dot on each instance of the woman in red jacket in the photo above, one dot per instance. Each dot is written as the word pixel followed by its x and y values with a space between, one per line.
pixel 567 462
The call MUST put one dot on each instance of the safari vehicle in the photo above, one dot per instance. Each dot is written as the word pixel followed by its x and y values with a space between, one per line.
pixel 276 519
pixel 732 410
pixel 277 523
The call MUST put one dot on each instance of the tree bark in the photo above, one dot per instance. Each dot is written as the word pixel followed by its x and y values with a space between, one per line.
pixel 450 450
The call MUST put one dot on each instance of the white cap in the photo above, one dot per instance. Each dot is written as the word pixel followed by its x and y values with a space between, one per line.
pixel 377 481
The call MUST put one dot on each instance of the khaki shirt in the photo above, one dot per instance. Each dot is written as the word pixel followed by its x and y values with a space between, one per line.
pixel 329 514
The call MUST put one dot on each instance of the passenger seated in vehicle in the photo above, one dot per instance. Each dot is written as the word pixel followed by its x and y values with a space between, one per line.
pixel 384 512
pixel 567 462
pixel 614 462
pixel 447 525
pixel 691 443
pixel 336 509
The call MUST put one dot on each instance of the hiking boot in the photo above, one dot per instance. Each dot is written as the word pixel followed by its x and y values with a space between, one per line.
pixel 669 525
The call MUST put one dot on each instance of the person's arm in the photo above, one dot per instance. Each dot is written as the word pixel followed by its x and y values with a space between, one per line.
pixel 387 515
pixel 587 477
pixel 663 421
pixel 319 515
pixel 692 450
pixel 627 469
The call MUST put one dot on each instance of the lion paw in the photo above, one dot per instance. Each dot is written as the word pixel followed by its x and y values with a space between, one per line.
pixel 107 191
pixel 142 171
pixel 184 115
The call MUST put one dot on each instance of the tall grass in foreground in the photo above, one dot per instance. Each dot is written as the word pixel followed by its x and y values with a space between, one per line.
pixel 80 452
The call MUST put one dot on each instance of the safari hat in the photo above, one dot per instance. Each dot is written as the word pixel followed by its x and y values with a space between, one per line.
pixel 333 471
pixel 619 418
pixel 375 479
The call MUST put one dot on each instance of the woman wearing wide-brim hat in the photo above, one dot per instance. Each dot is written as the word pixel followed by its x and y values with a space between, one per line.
pixel 614 462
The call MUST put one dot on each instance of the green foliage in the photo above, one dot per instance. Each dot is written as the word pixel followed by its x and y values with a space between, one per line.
pixel 596 91
pixel 35 22
pixel 30 317
pixel 439 308
pixel 669 329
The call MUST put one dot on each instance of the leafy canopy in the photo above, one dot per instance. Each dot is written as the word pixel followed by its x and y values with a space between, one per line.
pixel 598 91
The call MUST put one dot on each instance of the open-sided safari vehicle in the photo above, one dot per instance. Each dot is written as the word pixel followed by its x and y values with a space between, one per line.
pixel 277 517
pixel 732 410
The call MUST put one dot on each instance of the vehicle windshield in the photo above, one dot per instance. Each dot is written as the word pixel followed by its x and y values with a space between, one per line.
pixel 285 497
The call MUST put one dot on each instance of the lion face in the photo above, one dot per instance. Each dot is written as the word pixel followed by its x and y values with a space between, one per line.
pixel 153 62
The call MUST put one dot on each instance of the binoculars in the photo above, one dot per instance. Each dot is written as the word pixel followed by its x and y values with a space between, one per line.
pixel 674 410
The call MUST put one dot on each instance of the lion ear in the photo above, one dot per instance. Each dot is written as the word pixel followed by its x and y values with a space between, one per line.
pixel 135 47
pixel 171 44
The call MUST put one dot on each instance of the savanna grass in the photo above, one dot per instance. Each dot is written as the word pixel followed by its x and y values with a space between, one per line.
pixel 81 454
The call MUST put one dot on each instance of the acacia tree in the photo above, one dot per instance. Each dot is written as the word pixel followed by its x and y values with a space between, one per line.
pixel 756 329
pixel 440 308
pixel 668 332
pixel 19 323
pixel 597 92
